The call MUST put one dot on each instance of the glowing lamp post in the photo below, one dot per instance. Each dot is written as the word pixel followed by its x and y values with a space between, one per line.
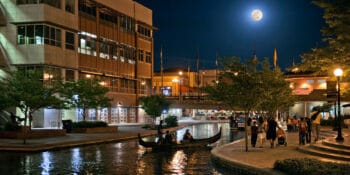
pixel 338 73
pixel 180 85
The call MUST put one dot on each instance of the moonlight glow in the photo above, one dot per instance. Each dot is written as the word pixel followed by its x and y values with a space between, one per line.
pixel 257 15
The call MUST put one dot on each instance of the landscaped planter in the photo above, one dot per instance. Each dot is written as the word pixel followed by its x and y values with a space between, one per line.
pixel 108 129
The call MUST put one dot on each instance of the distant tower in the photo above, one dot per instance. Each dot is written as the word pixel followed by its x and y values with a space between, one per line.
pixel 275 58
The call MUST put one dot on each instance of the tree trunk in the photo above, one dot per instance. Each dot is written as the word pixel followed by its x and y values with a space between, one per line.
pixel 30 121
pixel 24 129
pixel 246 130
pixel 84 114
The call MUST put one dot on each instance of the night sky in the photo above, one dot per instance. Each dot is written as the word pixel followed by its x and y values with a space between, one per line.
pixel 225 28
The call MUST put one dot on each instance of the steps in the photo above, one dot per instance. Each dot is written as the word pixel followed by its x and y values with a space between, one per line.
pixel 328 148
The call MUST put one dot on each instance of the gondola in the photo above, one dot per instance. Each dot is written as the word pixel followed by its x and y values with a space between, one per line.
pixel 195 143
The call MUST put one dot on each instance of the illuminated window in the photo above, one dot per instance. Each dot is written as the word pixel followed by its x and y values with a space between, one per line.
pixel 321 81
pixel 87 43
pixel 38 34
pixel 310 81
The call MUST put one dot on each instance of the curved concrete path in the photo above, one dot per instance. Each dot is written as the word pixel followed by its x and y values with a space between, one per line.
pixel 234 157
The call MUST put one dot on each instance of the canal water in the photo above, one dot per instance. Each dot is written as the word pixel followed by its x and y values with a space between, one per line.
pixel 121 158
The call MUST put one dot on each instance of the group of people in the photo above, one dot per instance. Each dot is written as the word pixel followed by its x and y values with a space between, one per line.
pixel 309 125
pixel 262 130
pixel 170 138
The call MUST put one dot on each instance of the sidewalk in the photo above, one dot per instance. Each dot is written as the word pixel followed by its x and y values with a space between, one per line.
pixel 261 160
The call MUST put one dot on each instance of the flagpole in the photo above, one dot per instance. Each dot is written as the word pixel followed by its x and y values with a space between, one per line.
pixel 216 69
pixel 198 75
pixel 275 58
pixel 161 69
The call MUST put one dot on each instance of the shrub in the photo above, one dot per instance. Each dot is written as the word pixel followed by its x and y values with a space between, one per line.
pixel 171 121
pixel 148 126
pixel 89 124
pixel 310 166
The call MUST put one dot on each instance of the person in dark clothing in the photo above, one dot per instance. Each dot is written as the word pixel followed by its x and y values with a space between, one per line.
pixel 187 136
pixel 159 132
pixel 254 134
pixel 231 121
pixel 309 127
pixel 271 131
pixel 168 137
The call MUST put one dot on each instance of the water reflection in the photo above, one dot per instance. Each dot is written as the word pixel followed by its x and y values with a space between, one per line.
pixel 120 158
pixel 46 163
pixel 76 160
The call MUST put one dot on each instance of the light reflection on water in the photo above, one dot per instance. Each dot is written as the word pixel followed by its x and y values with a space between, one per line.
pixel 120 158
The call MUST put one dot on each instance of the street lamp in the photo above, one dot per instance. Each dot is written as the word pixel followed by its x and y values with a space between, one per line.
pixel 338 73
pixel 180 84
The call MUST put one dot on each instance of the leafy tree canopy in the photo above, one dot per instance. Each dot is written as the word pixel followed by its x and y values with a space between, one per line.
pixel 251 85
pixel 336 36
pixel 27 91
pixel 85 94
pixel 154 105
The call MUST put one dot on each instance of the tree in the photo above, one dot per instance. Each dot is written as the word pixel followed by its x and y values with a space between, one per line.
pixel 27 91
pixel 336 36
pixel 251 85
pixel 85 94
pixel 154 105
pixel 276 95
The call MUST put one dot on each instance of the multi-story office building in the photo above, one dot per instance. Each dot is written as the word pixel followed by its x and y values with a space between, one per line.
pixel 111 40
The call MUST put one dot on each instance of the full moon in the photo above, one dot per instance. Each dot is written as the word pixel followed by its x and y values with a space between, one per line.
pixel 257 15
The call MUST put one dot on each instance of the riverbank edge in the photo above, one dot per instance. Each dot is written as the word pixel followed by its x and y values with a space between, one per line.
pixel 69 144
pixel 235 166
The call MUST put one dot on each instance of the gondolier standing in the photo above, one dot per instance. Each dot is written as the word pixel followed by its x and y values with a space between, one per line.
pixel 159 131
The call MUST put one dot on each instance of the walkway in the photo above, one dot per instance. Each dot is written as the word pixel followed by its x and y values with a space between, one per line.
pixel 261 160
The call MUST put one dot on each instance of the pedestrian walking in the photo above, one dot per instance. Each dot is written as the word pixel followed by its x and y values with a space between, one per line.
pixel 254 134
pixel 309 128
pixel 271 131
pixel 302 131
pixel 315 122
pixel 262 125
